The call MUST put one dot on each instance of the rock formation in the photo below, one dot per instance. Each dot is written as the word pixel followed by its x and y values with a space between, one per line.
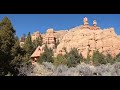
pixel 50 38
pixel 35 35
pixel 59 34
pixel 87 39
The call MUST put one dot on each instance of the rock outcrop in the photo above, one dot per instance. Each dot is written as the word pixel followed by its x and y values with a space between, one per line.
pixel 87 40
pixel 35 35
pixel 52 36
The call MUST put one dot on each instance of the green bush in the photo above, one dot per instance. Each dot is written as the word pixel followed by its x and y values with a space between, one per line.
pixel 109 59
pixel 98 58
pixel 73 58
pixel 60 59
pixel 87 60
pixel 117 59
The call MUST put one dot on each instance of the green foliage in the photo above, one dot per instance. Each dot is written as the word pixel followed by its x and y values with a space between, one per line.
pixel 11 54
pixel 7 41
pixel 60 59
pixel 6 24
pixel 109 59
pixel 98 58
pixel 47 56
pixel 16 48
pixel 73 58
pixel 38 42
pixel 16 53
pixel 28 46
pixel 117 58
pixel 7 35
pixel 88 59
pixel 16 61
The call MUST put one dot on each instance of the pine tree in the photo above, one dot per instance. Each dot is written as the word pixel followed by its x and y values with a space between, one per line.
pixel 17 53
pixel 16 48
pixel 28 46
pixel 7 41
pixel 6 24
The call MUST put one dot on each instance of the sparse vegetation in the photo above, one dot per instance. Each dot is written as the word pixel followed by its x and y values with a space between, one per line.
pixel 48 69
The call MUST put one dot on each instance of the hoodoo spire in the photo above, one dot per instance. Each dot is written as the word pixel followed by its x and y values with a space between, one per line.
pixel 85 21
pixel 94 23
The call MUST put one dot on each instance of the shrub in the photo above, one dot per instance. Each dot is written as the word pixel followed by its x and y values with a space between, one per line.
pixel 73 58
pixel 117 58
pixel 87 60
pixel 85 69
pixel 60 59
pixel 61 70
pixel 104 70
pixel 72 72
pixel 49 66
pixel 48 69
pixel 98 58
pixel 26 70
pixel 109 59
pixel 117 68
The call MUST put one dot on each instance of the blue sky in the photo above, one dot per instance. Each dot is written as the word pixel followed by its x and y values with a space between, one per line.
pixel 24 23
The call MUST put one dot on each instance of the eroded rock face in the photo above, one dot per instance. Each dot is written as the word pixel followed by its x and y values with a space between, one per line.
pixel 105 41
pixel 59 34
pixel 35 35
pixel 85 38
pixel 52 36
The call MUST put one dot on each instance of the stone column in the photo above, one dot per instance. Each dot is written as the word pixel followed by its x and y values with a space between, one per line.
pixel 94 23
pixel 85 20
